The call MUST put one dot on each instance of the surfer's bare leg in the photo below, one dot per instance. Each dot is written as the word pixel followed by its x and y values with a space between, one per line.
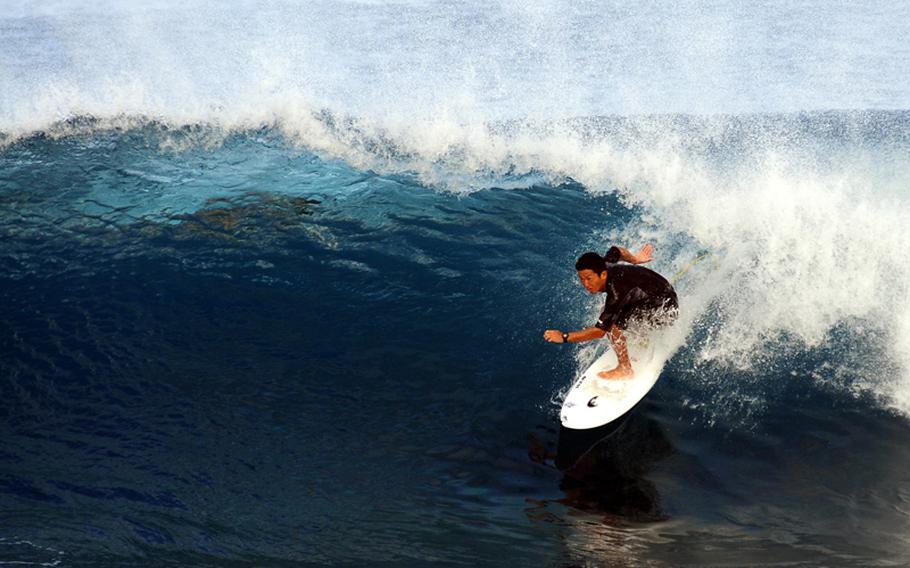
pixel 624 369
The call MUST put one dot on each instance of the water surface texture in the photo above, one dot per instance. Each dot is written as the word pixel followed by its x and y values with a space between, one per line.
pixel 274 278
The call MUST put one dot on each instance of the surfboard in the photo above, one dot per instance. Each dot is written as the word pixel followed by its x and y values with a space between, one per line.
pixel 593 402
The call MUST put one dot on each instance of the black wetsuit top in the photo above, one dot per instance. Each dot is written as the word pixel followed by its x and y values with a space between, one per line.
pixel 635 292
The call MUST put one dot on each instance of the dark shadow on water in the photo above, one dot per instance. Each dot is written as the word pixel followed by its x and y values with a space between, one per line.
pixel 606 473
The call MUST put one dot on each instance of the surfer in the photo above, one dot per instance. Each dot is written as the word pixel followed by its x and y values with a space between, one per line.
pixel 635 295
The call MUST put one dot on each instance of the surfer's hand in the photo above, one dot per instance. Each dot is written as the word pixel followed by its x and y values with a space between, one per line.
pixel 645 254
pixel 553 335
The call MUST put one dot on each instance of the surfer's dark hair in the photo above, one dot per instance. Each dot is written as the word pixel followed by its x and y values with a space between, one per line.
pixel 591 261
pixel 597 263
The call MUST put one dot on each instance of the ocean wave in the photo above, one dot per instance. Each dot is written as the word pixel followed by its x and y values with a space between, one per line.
pixel 805 213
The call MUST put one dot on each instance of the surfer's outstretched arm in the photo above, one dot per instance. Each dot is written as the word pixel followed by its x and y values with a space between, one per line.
pixel 643 256
pixel 557 336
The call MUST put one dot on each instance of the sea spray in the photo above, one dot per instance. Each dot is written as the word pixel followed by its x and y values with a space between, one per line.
pixel 468 62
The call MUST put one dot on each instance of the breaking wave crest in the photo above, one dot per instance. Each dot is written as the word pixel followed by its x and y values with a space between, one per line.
pixel 715 145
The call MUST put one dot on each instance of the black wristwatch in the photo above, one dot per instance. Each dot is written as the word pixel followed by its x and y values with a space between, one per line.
pixel 565 337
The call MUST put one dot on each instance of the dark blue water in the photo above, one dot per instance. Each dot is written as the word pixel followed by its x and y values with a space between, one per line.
pixel 250 354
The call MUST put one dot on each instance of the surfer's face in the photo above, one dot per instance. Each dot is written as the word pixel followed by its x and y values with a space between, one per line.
pixel 592 281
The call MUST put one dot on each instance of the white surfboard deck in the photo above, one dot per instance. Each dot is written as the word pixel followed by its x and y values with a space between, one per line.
pixel 594 402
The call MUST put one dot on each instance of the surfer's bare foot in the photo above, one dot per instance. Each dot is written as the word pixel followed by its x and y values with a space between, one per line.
pixel 617 374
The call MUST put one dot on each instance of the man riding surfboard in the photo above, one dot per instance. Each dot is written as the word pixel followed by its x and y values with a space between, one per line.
pixel 635 296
